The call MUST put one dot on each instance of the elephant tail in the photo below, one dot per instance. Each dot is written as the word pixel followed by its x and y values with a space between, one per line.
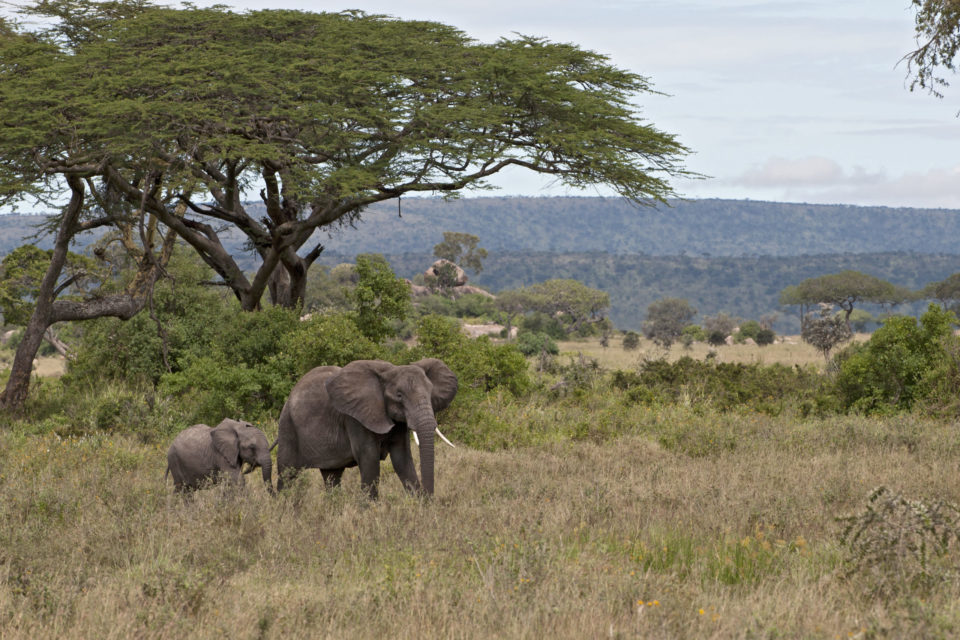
pixel 165 474
pixel 273 446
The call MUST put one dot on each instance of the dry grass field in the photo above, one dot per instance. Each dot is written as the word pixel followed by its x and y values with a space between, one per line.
pixel 688 524
pixel 790 350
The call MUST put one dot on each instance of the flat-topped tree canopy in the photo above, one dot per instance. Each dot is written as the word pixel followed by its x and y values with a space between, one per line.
pixel 317 115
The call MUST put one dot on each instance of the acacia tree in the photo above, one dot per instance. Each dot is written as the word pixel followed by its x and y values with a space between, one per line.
pixel 844 289
pixel 666 320
pixel 314 115
pixel 576 304
pixel 461 249
pixel 937 33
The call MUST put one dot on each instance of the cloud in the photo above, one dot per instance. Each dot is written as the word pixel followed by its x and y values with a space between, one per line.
pixel 823 180
pixel 807 172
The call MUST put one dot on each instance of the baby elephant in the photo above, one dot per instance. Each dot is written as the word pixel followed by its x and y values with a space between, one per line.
pixel 201 453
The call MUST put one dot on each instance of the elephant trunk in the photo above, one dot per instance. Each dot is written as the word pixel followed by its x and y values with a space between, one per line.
pixel 424 428
pixel 266 463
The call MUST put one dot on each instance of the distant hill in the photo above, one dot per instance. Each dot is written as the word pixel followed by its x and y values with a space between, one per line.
pixel 721 255
pixel 748 287
pixel 611 225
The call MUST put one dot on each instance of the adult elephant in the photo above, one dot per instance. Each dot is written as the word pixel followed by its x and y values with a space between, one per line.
pixel 202 454
pixel 358 414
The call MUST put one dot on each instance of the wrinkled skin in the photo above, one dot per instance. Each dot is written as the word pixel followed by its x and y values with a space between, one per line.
pixel 201 454
pixel 358 415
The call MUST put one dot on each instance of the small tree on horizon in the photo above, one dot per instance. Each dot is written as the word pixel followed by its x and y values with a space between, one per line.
pixel 666 320
pixel 461 249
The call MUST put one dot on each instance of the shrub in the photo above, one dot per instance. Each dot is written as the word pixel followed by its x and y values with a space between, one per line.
pixel 765 337
pixel 631 341
pixel 903 362
pixel 726 386
pixel 480 364
pixel 717 338
pixel 542 323
pixel 531 344
pixel 900 545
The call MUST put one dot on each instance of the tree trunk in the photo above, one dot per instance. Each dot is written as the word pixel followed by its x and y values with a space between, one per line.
pixel 15 393
pixel 49 311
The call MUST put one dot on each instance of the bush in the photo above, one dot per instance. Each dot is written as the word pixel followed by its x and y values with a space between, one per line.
pixel 480 364
pixel 903 362
pixel 725 386
pixel 765 337
pixel 717 338
pixel 531 344
pixel 542 323
pixel 631 341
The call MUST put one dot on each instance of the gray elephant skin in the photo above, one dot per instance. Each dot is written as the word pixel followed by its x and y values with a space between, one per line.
pixel 359 414
pixel 202 454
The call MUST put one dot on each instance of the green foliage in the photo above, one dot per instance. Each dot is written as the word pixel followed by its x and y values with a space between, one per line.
pixel 769 389
pixel 328 288
pixel 666 319
pixel 860 320
pixel 380 298
pixel 531 344
pixel 481 366
pixel 844 289
pixel 765 337
pixel 23 269
pixel 474 305
pixel 631 341
pixel 542 323
pixel 461 249
pixel 695 332
pixel 903 362
pixel 218 361
pixel 717 338
pixel 212 103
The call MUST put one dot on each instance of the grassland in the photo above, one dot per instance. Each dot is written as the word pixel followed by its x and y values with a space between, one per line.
pixel 789 350
pixel 623 520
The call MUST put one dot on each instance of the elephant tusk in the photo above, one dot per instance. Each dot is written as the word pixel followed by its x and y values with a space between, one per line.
pixel 416 439
pixel 444 438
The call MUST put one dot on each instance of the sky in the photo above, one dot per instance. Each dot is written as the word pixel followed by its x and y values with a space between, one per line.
pixel 791 101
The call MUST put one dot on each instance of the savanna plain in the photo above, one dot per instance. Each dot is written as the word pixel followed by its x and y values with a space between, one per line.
pixel 606 518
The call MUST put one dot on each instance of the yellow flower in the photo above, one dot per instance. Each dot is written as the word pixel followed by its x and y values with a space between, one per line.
pixel 701 612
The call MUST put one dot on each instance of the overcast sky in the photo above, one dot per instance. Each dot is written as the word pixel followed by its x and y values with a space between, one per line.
pixel 797 101
pixel 790 101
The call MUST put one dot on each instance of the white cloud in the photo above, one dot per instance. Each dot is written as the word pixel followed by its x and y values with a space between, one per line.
pixel 824 180
pixel 810 172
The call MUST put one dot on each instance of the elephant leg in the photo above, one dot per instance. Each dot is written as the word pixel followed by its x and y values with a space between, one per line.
pixel 331 477
pixel 370 475
pixel 402 461
pixel 286 475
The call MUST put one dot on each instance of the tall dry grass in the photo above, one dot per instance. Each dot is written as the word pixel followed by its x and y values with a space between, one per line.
pixel 726 530
pixel 790 350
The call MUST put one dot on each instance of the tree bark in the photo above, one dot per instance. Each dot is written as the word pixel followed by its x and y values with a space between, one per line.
pixel 15 393
pixel 49 311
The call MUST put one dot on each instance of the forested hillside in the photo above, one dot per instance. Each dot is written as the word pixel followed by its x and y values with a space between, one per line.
pixel 721 255
pixel 699 227
pixel 563 225
pixel 748 287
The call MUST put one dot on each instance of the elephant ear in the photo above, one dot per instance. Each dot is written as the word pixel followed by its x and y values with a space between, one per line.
pixel 444 382
pixel 226 441
pixel 358 392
